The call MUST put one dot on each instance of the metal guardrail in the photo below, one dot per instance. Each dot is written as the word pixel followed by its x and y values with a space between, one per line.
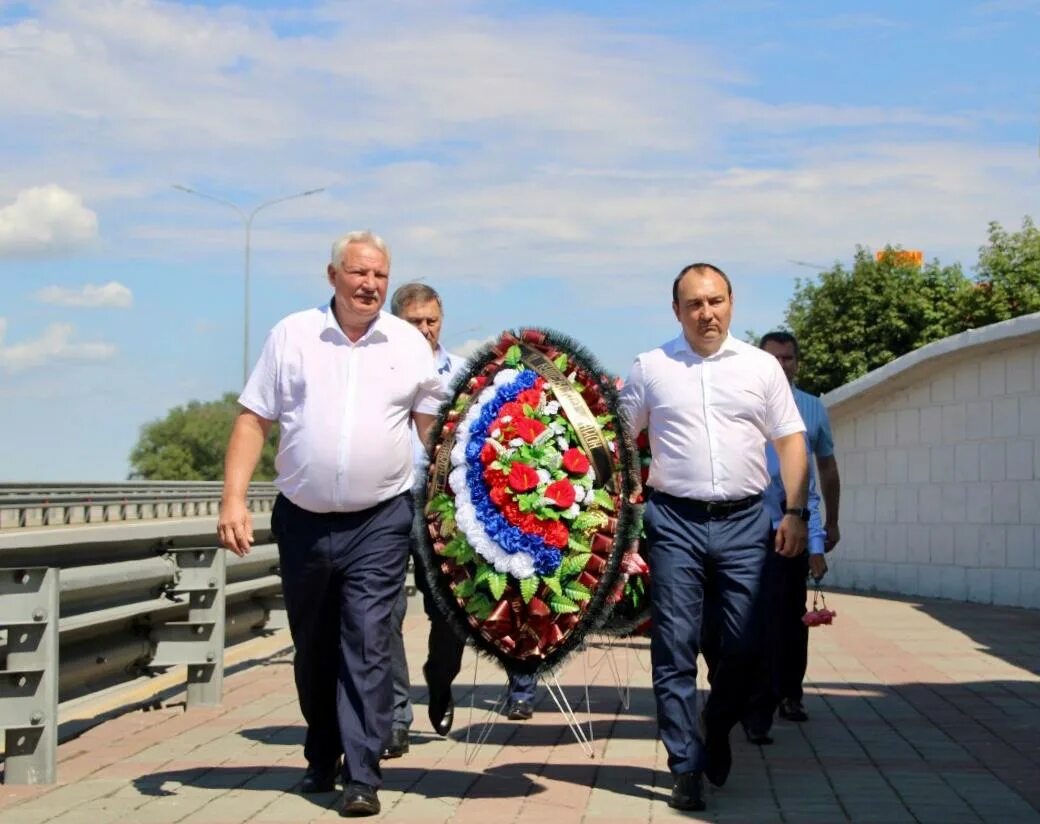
pixel 89 607
pixel 25 505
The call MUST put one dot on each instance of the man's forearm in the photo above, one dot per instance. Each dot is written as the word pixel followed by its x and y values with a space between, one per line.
pixel 794 468
pixel 830 487
pixel 243 453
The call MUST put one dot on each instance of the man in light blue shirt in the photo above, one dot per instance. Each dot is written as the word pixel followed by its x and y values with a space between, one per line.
pixel 784 347
pixel 784 587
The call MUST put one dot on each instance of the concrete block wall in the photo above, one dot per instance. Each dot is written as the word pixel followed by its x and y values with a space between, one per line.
pixel 940 470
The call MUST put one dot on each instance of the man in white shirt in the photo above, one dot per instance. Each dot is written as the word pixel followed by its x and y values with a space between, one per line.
pixel 710 402
pixel 346 383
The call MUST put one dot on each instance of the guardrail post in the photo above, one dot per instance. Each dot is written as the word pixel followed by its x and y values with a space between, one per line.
pixel 29 682
pixel 199 641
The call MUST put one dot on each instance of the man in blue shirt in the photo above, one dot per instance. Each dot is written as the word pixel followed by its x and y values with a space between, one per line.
pixel 786 638
pixel 784 347
pixel 785 589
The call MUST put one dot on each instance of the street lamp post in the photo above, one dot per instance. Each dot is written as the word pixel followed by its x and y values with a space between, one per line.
pixel 247 222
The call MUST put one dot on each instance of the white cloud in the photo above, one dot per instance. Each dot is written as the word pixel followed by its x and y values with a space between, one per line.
pixel 469 347
pixel 45 219
pixel 112 294
pixel 54 344
pixel 482 146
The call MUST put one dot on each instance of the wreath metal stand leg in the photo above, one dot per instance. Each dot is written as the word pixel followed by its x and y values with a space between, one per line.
pixel 607 646
pixel 490 718
pixel 552 686
pixel 624 685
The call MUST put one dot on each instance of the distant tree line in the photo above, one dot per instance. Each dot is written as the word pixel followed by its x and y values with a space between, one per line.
pixel 189 444
pixel 851 321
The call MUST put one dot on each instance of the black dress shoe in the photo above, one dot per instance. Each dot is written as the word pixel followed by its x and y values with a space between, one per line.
pixel 441 708
pixel 359 799
pixel 758 737
pixel 687 792
pixel 319 779
pixel 398 745
pixel 718 758
pixel 791 709
pixel 520 711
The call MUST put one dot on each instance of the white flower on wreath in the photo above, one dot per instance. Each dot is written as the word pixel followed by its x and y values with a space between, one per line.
pixel 505 377
pixel 552 407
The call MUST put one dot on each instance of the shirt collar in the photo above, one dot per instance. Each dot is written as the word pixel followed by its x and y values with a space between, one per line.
pixel 330 328
pixel 443 359
pixel 681 346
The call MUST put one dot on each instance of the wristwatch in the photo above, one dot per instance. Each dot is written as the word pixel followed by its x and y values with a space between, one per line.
pixel 799 511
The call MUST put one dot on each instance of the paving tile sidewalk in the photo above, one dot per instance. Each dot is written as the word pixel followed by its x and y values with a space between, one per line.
pixel 921 711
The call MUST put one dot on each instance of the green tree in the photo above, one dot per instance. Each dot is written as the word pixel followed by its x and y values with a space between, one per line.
pixel 849 322
pixel 190 442
pixel 1007 277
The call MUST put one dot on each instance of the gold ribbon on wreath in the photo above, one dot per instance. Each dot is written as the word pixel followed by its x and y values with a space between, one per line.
pixel 578 413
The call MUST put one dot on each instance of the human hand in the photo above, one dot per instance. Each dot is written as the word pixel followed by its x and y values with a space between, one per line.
pixel 235 526
pixel 790 536
pixel 833 536
pixel 817 566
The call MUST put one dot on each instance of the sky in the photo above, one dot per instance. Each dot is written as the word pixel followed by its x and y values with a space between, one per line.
pixel 545 164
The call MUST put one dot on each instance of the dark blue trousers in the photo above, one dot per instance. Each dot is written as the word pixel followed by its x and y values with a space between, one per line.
pixel 690 551
pixel 341 573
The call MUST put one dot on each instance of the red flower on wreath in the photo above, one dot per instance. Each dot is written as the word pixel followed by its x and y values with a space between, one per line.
pixel 530 397
pixel 557 534
pixel 488 453
pixel 528 428
pixel 513 409
pixel 561 493
pixel 522 477
pixel 575 461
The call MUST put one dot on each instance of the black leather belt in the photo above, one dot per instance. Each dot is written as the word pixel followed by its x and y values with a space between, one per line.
pixel 713 509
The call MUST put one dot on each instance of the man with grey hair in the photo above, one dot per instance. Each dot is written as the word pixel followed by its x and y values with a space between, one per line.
pixel 347 383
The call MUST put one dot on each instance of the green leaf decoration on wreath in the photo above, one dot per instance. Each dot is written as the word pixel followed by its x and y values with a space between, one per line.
pixel 483 572
pixel 577 592
pixel 563 604
pixel 513 356
pixel 528 588
pixel 602 498
pixel 589 522
pixel 561 362
pixel 553 583
pixel 573 564
pixel 479 606
pixel 465 589
pixel 497 584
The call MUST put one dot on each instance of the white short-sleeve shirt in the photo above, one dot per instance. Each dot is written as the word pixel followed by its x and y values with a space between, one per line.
pixel 344 407
pixel 708 419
